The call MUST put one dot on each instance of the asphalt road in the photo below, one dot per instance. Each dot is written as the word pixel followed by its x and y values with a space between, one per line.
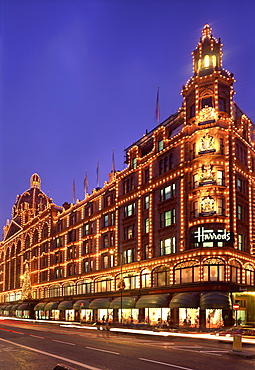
pixel 28 346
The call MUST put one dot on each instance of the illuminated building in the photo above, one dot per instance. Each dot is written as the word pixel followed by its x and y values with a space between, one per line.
pixel 170 237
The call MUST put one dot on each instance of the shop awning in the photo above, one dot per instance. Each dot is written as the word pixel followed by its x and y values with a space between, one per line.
pixel 81 304
pixel 127 302
pixel 40 306
pixel 100 303
pixel 23 307
pixel 65 305
pixel 185 300
pixel 153 301
pixel 51 306
pixel 15 307
pixel 2 308
pixel 215 300
pixel 8 308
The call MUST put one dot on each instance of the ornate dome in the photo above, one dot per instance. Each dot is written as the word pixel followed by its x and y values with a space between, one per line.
pixel 32 201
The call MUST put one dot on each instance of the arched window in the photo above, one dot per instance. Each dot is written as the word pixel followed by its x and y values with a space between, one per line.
pixel 55 291
pixel 214 270
pixel 249 275
pixel 7 256
pixel 131 281
pixel 104 285
pixel 35 237
pixel 13 250
pixel 68 289
pixel 84 287
pixel 18 250
pixel 161 276
pixel 145 278
pixel 186 272
pixel 235 271
pixel 45 231
pixel 214 61
pixel 27 242
pixel 206 61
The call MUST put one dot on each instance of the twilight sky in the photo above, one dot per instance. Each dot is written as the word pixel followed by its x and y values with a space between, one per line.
pixel 80 77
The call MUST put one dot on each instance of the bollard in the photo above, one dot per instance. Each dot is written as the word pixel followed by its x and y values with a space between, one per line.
pixel 237 343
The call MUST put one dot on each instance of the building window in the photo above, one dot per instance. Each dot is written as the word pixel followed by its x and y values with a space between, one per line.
pixel 192 110
pixel 167 192
pixel 161 166
pixel 146 252
pixel 249 275
pixel 129 210
pixel 145 279
pixel 105 241
pixel 128 185
pixel 106 220
pixel 84 287
pixel 87 265
pixel 161 276
pixel 222 105
pixel 129 232
pixel 146 175
pixel 85 229
pixel 207 102
pixel 104 285
pixel 146 225
pixel 187 272
pixel 131 281
pixel 241 242
pixel 220 207
pixel 146 202
pixel 167 246
pixel 220 178
pixel 128 256
pixel 214 270
pixel 160 145
pixel 168 218
pixel 72 219
pixel 134 162
pixel 239 212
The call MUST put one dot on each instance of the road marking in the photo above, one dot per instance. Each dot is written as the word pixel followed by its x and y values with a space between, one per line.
pixel 103 350
pixel 36 336
pixel 164 363
pixel 60 341
pixel 51 355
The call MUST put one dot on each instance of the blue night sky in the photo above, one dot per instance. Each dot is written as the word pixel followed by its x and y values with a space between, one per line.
pixel 80 77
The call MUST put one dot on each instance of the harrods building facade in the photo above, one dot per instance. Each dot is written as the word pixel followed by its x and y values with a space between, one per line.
pixel 169 237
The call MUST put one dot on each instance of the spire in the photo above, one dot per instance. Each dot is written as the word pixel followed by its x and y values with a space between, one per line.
pixel 207 31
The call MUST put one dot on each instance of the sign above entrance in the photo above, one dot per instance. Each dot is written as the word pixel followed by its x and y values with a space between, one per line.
pixel 203 235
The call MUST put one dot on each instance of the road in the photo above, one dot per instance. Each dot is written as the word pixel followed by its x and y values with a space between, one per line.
pixel 30 346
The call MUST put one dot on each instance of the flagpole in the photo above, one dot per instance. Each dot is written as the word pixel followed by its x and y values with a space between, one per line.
pixel 157 115
pixel 98 174
pixel 73 191
pixel 113 161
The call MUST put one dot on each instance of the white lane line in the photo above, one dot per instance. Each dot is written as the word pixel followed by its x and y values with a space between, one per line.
pixel 103 350
pixel 164 363
pixel 60 341
pixel 36 336
pixel 51 355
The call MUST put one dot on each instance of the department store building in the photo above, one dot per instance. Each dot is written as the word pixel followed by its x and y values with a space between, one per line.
pixel 169 239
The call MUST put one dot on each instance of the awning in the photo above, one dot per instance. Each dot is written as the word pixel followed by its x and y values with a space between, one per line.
pixel 23 307
pixel 185 300
pixel 215 300
pixel 15 307
pixel 153 301
pixel 2 308
pixel 65 305
pixel 40 306
pixel 81 304
pixel 51 306
pixel 8 308
pixel 100 303
pixel 127 302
